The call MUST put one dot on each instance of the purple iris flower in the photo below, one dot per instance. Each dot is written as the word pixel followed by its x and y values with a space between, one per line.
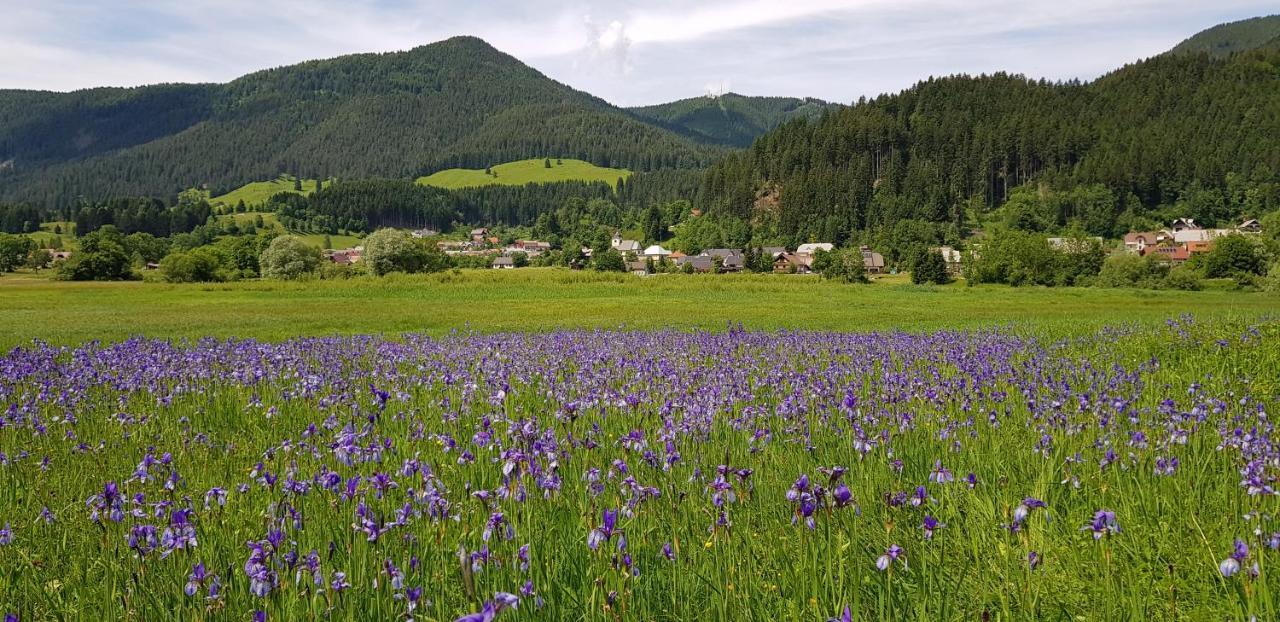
pixel 1103 524
pixel 491 609
pixel 930 525
pixel 667 552
pixel 605 531
pixel 940 474
pixel 842 495
pixel 1033 560
pixel 6 535
pixel 195 580
pixel 847 616
pixel 892 554
pixel 1231 565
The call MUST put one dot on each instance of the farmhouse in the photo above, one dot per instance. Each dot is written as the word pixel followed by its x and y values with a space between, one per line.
pixel 700 263
pixel 503 263
pixel 790 262
pixel 424 233
pixel 346 257
pixel 638 268
pixel 1250 226
pixel 1139 241
pixel 478 235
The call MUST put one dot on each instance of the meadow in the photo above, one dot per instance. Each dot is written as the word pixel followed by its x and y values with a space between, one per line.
pixel 543 299
pixel 521 172
pixel 1042 473
pixel 256 193
pixel 545 444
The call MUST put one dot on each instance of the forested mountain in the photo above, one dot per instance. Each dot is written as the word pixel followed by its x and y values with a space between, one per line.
pixel 1190 134
pixel 459 102
pixel 730 119
pixel 1226 39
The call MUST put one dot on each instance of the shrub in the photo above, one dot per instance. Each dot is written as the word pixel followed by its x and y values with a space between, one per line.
pixel 288 257
pixel 1231 255
pixel 103 256
pixel 1184 278
pixel 1132 271
pixel 200 265
pixel 929 266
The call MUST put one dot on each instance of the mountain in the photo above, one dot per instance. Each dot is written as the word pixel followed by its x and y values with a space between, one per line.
pixel 455 103
pixel 732 120
pixel 1226 39
pixel 1189 135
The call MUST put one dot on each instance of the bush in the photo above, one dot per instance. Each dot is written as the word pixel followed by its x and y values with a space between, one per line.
pixel 1231 255
pixel 844 265
pixel 201 265
pixel 390 250
pixel 929 266
pixel 1184 278
pixel 1132 271
pixel 288 257
pixel 103 256
pixel 610 261
pixel 14 250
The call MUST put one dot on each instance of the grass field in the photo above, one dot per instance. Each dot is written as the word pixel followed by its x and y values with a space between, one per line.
pixel 257 193
pixel 1053 470
pixel 269 219
pixel 545 299
pixel 522 172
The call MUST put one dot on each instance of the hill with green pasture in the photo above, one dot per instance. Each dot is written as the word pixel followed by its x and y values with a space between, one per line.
pixel 521 172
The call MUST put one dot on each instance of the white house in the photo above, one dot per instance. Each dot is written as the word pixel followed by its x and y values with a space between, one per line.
pixel 656 253
pixel 811 249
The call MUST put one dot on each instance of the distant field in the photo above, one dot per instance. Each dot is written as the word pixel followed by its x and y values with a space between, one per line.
pixel 257 193
pixel 270 220
pixel 545 299
pixel 523 172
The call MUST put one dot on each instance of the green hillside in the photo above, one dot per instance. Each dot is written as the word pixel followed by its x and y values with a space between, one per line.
pixel 455 103
pixel 1176 135
pixel 258 192
pixel 1226 39
pixel 730 119
pixel 531 171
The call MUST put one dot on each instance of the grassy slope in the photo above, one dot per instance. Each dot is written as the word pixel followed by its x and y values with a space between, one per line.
pixel 315 239
pixel 522 172
pixel 544 299
pixel 257 193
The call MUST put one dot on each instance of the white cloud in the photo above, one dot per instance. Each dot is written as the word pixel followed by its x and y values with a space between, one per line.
pixel 625 51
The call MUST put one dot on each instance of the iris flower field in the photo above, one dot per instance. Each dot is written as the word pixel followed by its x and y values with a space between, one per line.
pixel 991 474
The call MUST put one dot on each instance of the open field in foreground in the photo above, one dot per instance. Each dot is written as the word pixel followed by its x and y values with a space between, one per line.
pixel 545 299
pixel 1120 474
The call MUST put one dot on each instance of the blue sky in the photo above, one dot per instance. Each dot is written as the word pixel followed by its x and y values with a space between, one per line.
pixel 627 52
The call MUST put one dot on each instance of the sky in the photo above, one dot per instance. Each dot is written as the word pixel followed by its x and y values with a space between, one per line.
pixel 627 52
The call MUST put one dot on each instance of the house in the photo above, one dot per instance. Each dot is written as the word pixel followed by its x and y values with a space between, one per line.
pixel 624 246
pixel 700 263
pixel 772 252
pixel 788 262
pixel 531 248
pixel 1171 254
pixel 346 257
pixel 872 262
pixel 424 233
pixel 1199 247
pixel 731 259
pixel 1250 226
pixel 638 268
pixel 953 258
pixel 478 235
pixel 809 250
pixel 1139 241
pixel 503 263
pixel 1184 224
pixel 656 253
pixel 59 255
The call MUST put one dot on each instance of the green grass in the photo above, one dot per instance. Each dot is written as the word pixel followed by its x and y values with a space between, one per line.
pixel 522 172
pixel 544 299
pixel 256 193
pixel 271 221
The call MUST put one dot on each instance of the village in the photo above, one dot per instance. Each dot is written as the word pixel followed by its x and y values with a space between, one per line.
pixel 1171 246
